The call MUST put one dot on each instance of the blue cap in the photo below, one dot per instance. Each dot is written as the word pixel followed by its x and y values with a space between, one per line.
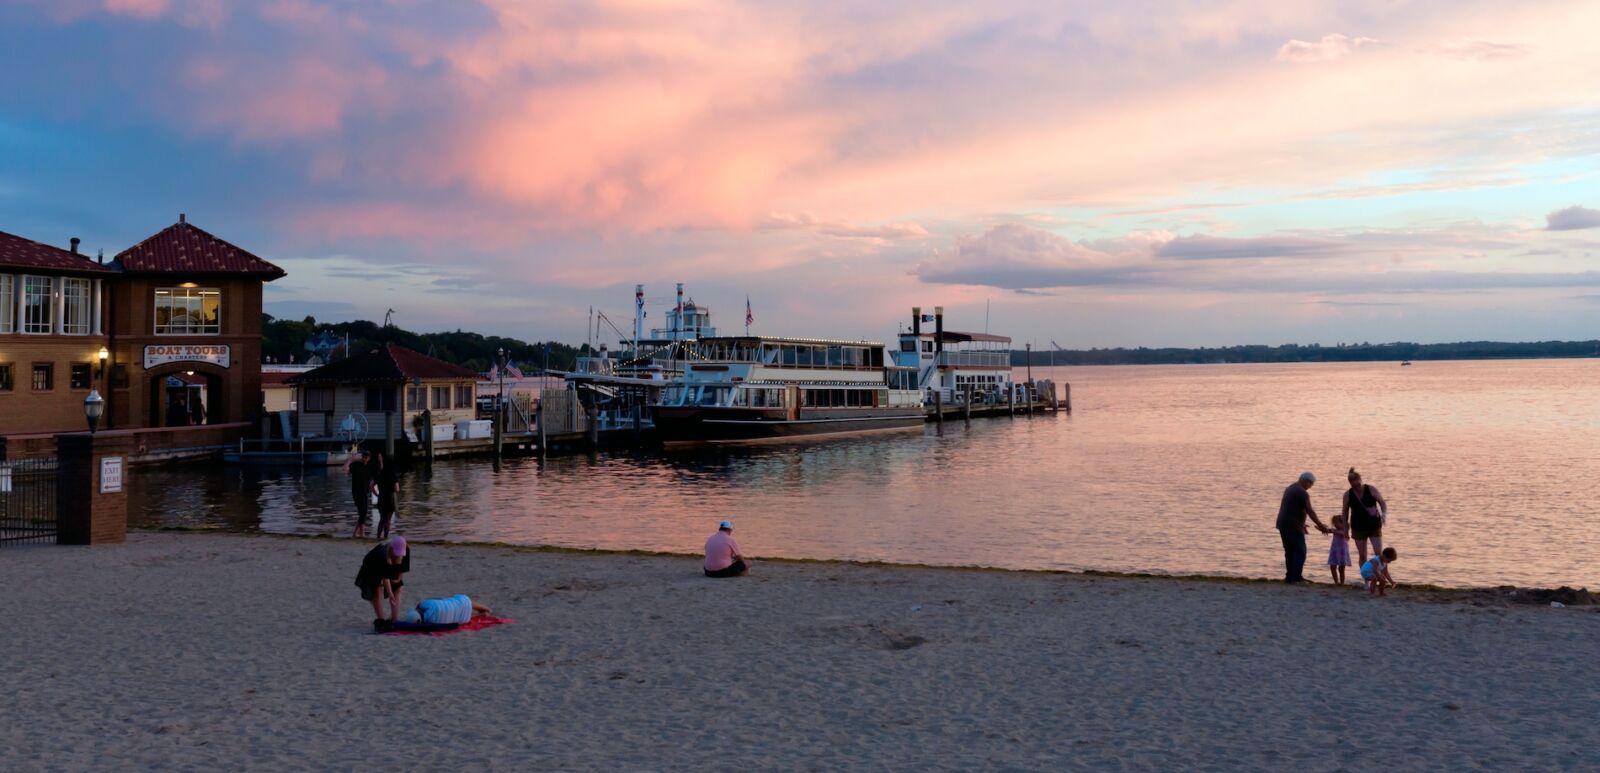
pixel 725 525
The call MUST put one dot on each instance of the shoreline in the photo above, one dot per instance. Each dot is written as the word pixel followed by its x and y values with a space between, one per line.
pixel 1516 595
pixel 202 650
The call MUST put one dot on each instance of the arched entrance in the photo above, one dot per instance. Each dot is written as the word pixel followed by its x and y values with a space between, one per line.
pixel 184 395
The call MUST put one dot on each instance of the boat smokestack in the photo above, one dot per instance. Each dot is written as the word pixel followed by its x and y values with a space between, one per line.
pixel 916 321
pixel 638 317
pixel 679 320
pixel 938 330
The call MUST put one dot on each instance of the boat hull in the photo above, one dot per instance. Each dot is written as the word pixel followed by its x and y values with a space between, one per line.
pixel 688 424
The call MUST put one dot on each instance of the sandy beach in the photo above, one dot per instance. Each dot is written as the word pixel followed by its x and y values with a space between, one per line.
pixel 207 651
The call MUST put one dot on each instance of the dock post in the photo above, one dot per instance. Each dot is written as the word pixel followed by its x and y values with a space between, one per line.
pixel 1011 400
pixel 638 422
pixel 427 434
pixel 388 436
pixel 538 419
pixel 1068 388
pixel 938 406
pixel 966 405
pixel 592 431
pixel 499 426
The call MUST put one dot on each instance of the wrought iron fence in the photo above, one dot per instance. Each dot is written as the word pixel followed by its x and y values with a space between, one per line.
pixel 27 501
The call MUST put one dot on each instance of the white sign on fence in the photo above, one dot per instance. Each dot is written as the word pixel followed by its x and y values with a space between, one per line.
pixel 111 474
pixel 161 354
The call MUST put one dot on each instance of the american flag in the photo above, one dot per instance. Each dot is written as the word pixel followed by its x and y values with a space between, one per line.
pixel 749 316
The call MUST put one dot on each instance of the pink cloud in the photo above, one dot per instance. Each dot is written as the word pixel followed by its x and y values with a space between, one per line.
pixel 1330 47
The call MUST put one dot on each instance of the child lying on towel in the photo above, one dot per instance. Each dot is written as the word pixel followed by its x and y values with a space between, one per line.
pixel 435 615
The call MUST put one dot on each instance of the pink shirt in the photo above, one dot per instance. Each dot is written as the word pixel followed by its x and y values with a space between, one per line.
pixel 721 551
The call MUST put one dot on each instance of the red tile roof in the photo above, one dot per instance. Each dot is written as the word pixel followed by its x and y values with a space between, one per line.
pixel 392 364
pixel 182 248
pixel 278 378
pixel 26 253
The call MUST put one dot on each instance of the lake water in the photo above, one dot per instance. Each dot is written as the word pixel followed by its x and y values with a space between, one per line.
pixel 1490 468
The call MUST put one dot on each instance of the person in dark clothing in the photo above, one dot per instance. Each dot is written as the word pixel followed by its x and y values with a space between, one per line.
pixel 380 576
pixel 1366 509
pixel 1292 513
pixel 359 465
pixel 386 480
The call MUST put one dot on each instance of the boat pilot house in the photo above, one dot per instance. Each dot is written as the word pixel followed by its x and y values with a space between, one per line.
pixel 167 334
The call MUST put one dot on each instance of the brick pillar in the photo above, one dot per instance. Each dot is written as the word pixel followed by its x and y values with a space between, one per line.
pixel 87 511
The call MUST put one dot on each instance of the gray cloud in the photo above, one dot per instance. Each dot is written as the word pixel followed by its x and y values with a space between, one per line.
pixel 1202 247
pixel 1572 218
pixel 1017 257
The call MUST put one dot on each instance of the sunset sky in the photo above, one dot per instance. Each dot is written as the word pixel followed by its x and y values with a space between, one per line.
pixel 1101 173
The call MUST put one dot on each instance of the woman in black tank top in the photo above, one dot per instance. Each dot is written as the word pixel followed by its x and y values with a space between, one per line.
pixel 1363 507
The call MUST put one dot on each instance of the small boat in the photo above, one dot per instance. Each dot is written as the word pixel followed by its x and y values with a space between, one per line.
pixel 1406 362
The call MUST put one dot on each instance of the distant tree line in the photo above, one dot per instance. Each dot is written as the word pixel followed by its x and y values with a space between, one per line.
pixel 1362 352
pixel 284 340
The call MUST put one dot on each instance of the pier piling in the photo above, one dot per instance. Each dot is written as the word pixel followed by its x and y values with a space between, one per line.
pixel 938 406
pixel 388 435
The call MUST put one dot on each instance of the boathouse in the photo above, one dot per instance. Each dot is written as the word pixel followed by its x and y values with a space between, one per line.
pixel 389 388
pixel 168 333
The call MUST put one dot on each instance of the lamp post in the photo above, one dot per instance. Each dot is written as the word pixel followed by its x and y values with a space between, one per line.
pixel 103 355
pixel 93 407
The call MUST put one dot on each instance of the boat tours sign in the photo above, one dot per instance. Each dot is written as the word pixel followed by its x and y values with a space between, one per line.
pixel 163 354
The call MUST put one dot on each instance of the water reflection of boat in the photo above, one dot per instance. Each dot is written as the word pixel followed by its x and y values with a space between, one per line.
pixel 744 388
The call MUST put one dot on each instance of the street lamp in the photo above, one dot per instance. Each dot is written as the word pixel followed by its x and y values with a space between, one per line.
pixel 103 355
pixel 93 407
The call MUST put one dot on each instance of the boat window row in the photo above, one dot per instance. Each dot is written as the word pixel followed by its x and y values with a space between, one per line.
pixel 792 355
pixel 839 398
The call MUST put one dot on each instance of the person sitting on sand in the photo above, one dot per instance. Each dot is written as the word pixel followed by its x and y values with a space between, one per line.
pixel 723 558
pixel 380 576
pixel 1376 571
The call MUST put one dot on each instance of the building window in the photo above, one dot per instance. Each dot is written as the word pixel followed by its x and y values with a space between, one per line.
pixel 5 377
pixel 75 309
pixel 8 304
pixel 464 395
pixel 44 378
pixel 416 398
pixel 36 306
pixel 380 398
pixel 188 311
pixel 78 376
pixel 441 398
pixel 318 400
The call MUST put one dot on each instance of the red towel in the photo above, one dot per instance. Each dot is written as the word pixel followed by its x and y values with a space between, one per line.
pixel 475 624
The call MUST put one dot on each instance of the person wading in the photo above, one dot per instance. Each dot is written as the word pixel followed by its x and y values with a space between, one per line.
pixel 1366 510
pixel 1292 514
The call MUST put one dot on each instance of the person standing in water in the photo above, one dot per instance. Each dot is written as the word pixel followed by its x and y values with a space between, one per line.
pixel 1366 509
pixel 387 484
pixel 359 466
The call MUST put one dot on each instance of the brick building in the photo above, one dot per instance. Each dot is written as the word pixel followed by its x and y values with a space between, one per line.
pixel 169 332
